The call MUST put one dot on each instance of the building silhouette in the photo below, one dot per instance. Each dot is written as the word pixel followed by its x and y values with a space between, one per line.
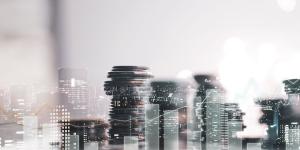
pixel 89 130
pixel 171 97
pixel 290 115
pixel 223 122
pixel 72 84
pixel 205 82
pixel 282 117
pixel 60 133
pixel 19 99
pixel 271 117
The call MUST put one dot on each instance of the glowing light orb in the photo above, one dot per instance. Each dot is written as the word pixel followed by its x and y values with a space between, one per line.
pixel 235 69
pixel 184 74
pixel 287 5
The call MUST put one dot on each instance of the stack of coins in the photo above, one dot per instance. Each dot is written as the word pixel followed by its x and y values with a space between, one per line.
pixel 128 88
pixel 292 86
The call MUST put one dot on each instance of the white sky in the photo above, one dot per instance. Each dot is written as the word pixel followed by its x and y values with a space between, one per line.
pixel 25 45
pixel 172 35
pixel 167 35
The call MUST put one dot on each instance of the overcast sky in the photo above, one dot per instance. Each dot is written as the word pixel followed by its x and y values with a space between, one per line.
pixel 251 44
pixel 172 35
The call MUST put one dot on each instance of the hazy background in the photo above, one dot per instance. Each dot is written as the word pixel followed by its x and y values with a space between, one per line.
pixel 251 44
pixel 173 35
pixel 168 36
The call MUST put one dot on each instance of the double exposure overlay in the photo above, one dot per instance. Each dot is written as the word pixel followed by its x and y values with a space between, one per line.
pixel 149 75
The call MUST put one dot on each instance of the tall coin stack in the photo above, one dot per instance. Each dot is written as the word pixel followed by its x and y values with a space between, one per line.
pixel 128 88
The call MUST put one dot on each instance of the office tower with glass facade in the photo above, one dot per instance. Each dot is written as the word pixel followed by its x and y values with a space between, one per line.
pixel 290 114
pixel 89 131
pixel 223 122
pixel 60 117
pixel 292 136
pixel 152 127
pixel 234 124
pixel 214 112
pixel 73 89
pixel 271 117
pixel 129 90
pixel 205 82
pixel 19 102
pixel 4 102
pixel 171 96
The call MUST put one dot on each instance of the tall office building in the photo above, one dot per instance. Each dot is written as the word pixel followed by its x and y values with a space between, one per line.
pixel 4 100
pixel 282 118
pixel 89 131
pixel 60 117
pixel 292 136
pixel 214 112
pixel 128 88
pixel 235 124
pixel 223 122
pixel 151 126
pixel 73 89
pixel 171 96
pixel 205 82
pixel 290 115
pixel 20 102
pixel 271 117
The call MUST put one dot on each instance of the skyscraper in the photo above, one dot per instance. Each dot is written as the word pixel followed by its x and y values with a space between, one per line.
pixel 60 117
pixel 205 82
pixel 290 115
pixel 214 112
pixel 271 117
pixel 223 122
pixel 151 126
pixel 20 101
pixel 235 124
pixel 292 136
pixel 128 88
pixel 93 130
pixel 73 88
pixel 283 118
pixel 171 97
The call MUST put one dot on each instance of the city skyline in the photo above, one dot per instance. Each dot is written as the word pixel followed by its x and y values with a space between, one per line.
pixel 149 75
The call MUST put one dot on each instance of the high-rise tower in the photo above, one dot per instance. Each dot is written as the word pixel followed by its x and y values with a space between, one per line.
pixel 290 115
pixel 89 130
pixel 205 82
pixel 73 89
pixel 171 97
pixel 272 118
